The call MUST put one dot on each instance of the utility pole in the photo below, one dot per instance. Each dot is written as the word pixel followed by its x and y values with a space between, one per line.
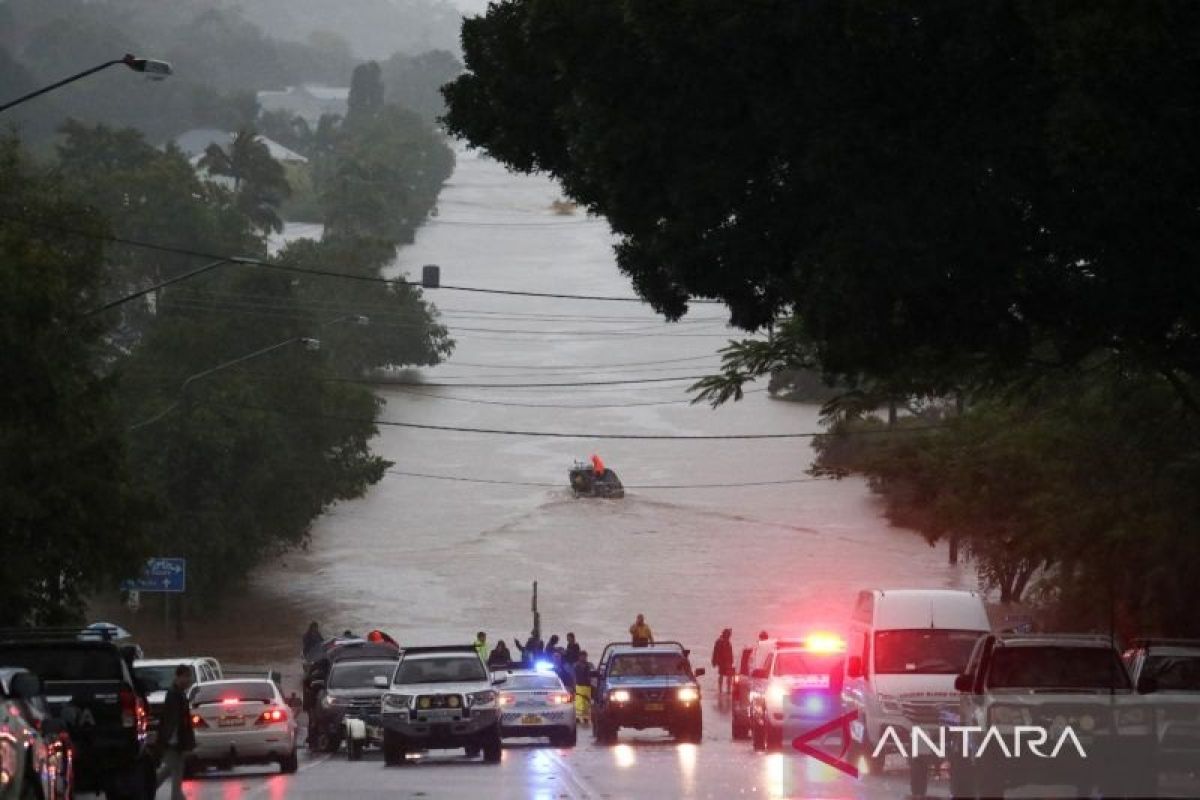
pixel 537 617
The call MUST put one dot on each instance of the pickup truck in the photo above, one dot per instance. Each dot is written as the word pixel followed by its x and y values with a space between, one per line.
pixel 89 687
pixel 641 687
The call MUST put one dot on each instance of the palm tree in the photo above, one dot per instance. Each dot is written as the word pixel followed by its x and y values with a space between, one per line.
pixel 259 182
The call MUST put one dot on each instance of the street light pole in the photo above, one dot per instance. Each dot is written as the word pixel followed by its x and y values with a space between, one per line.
pixel 152 68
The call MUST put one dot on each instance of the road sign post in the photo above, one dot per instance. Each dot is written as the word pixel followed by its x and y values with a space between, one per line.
pixel 160 575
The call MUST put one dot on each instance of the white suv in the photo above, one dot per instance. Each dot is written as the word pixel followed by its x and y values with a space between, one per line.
pixel 441 698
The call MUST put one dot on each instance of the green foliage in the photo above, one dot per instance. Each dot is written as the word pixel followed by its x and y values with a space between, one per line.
pixel 383 173
pixel 259 183
pixel 941 192
pixel 73 523
pixel 1087 484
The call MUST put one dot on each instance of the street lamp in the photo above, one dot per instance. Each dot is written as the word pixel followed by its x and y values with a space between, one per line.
pixel 153 69
pixel 309 344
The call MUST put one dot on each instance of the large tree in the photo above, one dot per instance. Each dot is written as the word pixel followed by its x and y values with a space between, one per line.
pixel 70 521
pixel 936 191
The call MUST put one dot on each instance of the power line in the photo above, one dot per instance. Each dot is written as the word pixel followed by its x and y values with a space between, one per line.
pixel 545 385
pixel 184 251
pixel 561 435
pixel 510 404
pixel 647 486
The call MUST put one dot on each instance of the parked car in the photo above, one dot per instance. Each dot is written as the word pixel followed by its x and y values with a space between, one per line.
pixel 89 688
pixel 534 703
pixel 1170 670
pixel 1054 683
pixel 801 689
pixel 242 721
pixel 904 649
pixel 651 686
pixel 441 698
pixel 348 690
pixel 36 757
pixel 154 677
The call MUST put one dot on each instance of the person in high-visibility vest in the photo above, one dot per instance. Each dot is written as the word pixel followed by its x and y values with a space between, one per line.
pixel 639 632
pixel 583 688
pixel 481 646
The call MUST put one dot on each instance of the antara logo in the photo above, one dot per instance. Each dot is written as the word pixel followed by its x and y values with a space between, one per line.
pixel 1033 737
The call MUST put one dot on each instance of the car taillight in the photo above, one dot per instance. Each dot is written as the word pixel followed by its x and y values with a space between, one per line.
pixel 198 721
pixel 560 699
pixel 130 707
pixel 272 715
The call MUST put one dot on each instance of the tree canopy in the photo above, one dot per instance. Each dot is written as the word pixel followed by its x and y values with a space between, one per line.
pixel 934 190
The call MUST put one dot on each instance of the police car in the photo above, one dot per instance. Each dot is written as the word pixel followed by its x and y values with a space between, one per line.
pixel 534 703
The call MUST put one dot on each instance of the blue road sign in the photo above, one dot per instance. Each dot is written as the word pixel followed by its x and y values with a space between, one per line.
pixel 160 575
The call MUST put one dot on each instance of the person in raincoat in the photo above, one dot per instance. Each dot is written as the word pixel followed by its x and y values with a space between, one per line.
pixel 481 646
pixel 583 688
pixel 640 633
pixel 312 639
pixel 722 660
pixel 500 658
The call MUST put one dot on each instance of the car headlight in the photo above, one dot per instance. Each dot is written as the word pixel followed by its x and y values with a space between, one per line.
pixel 776 694
pixel 619 696
pixel 890 705
pixel 397 702
pixel 1009 715
pixel 481 698
pixel 688 694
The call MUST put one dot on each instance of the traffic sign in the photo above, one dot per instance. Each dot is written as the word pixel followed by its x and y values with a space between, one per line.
pixel 160 575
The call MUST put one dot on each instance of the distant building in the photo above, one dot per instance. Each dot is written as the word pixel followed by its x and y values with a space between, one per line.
pixel 309 102
pixel 195 142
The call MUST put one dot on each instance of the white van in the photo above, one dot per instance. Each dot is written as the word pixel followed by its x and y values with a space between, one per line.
pixel 904 650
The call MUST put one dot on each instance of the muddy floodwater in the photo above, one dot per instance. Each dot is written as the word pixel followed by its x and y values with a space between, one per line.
pixel 433 559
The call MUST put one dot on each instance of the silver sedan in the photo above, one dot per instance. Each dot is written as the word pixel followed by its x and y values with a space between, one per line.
pixel 242 722
pixel 534 703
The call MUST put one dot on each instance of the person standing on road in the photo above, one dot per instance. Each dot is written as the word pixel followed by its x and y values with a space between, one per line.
pixel 312 639
pixel 500 658
pixel 175 735
pixel 640 633
pixel 722 660
pixel 583 688
pixel 552 645
pixel 481 646
pixel 530 650
pixel 565 673
pixel 571 654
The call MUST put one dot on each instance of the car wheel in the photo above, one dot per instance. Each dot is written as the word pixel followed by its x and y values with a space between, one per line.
pixel 289 763
pixel 393 749
pixel 918 776
pixel 740 730
pixel 962 779
pixel 473 751
pixel 758 736
pixel 354 750
pixel 491 748
pixel 774 737
pixel 567 738
pixel 863 751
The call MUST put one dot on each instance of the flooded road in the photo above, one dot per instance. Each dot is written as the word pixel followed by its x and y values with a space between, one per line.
pixel 437 558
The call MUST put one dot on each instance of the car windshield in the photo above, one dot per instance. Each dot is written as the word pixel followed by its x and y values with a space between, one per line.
pixel 807 664
pixel 533 683
pixel 157 678
pixel 1174 673
pixel 241 691
pixel 359 674
pixel 66 663
pixel 1056 668
pixel 448 669
pixel 923 651
pixel 664 664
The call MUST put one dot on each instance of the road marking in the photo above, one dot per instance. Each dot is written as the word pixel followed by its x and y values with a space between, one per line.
pixel 584 789
pixel 264 787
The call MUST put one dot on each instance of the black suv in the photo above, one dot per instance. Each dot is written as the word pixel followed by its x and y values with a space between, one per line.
pixel 1170 669
pixel 646 687
pixel 89 687
pixel 1098 732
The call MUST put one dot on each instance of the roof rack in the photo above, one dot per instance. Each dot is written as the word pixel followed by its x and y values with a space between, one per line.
pixel 57 634
pixel 1163 641
pixel 1051 637
pixel 449 648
